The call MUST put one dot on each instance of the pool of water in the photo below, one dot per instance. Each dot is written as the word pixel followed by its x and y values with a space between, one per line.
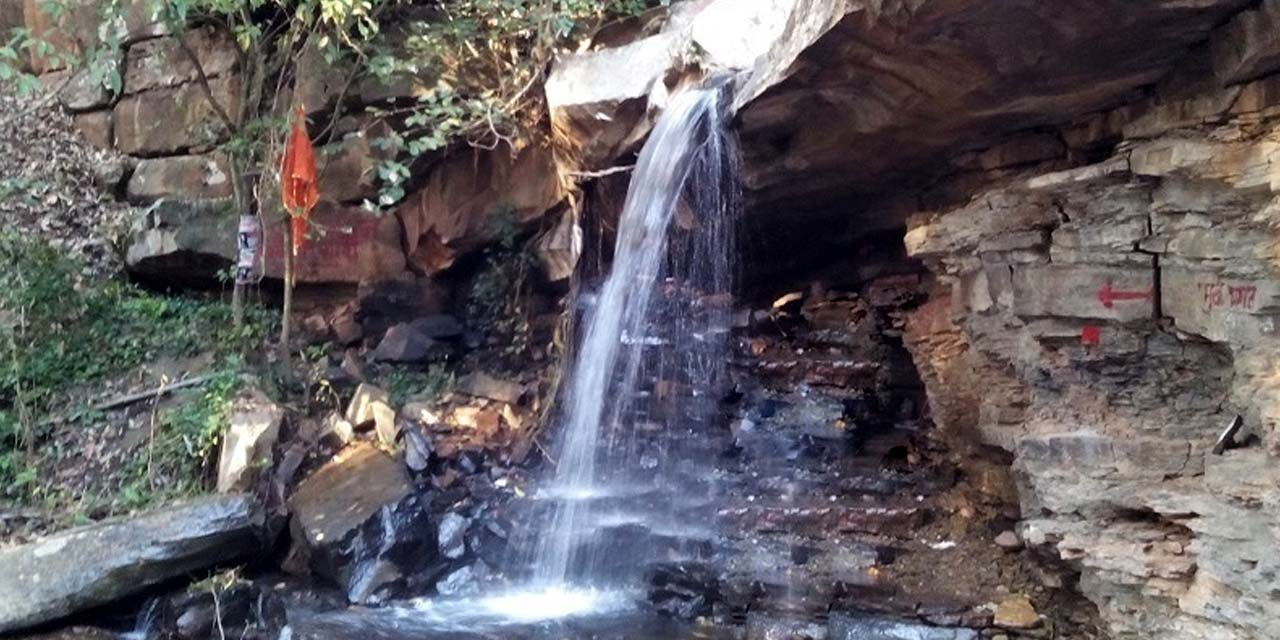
pixel 516 615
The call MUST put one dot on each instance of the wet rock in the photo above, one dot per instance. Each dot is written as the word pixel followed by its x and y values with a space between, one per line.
pixel 248 441
pixel 685 591
pixel 846 627
pixel 452 538
pixel 76 633
pixel 364 528
pixel 1016 612
pixel 371 406
pixel 68 572
pixel 468 580
pixel 770 626
pixel 241 609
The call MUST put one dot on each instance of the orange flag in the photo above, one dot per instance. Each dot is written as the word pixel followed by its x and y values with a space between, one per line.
pixel 298 178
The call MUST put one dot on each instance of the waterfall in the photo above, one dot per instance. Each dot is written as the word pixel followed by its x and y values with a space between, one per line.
pixel 643 383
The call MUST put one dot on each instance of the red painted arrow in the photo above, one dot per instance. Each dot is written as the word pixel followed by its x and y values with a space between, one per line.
pixel 1108 296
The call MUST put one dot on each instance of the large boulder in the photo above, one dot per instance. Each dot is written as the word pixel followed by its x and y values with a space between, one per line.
pixel 68 572
pixel 246 446
pixel 362 525
pixel 182 241
pixel 175 119
pixel 163 62
pixel 185 177
pixel 602 101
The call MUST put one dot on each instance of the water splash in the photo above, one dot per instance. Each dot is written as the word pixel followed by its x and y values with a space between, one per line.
pixel 646 371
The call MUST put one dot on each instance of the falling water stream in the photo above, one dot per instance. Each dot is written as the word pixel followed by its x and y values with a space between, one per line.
pixel 652 353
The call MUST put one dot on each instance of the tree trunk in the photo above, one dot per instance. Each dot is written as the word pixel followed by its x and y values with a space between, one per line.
pixel 288 296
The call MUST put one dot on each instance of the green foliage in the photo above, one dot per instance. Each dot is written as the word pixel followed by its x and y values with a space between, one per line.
pixel 407 385
pixel 495 301
pixel 486 57
pixel 182 442
pixel 61 332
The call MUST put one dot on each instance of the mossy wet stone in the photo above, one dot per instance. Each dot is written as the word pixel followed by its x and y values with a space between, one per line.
pixel 64 573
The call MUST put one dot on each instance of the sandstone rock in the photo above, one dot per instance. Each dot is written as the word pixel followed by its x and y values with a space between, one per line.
pixel 179 242
pixel 109 175
pixel 162 62
pixel 78 29
pixel 344 326
pixel 318 82
pixel 180 177
pixel 598 110
pixel 95 126
pixel 248 440
pixel 559 247
pixel 601 101
pixel 1222 309
pixel 344 244
pixel 1248 46
pixel 362 525
pixel 1121 294
pixel 79 91
pixel 1017 612
pixel 404 298
pixel 174 119
pixel 457 209
pixel 372 406
pixel 336 431
pixel 348 169
pixel 68 572
pixel 1082 60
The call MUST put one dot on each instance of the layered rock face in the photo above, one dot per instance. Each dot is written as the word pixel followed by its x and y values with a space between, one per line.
pixel 1128 307
pixel 1119 316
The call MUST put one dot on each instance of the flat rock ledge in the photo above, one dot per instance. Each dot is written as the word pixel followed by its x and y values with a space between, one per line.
pixel 82 568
